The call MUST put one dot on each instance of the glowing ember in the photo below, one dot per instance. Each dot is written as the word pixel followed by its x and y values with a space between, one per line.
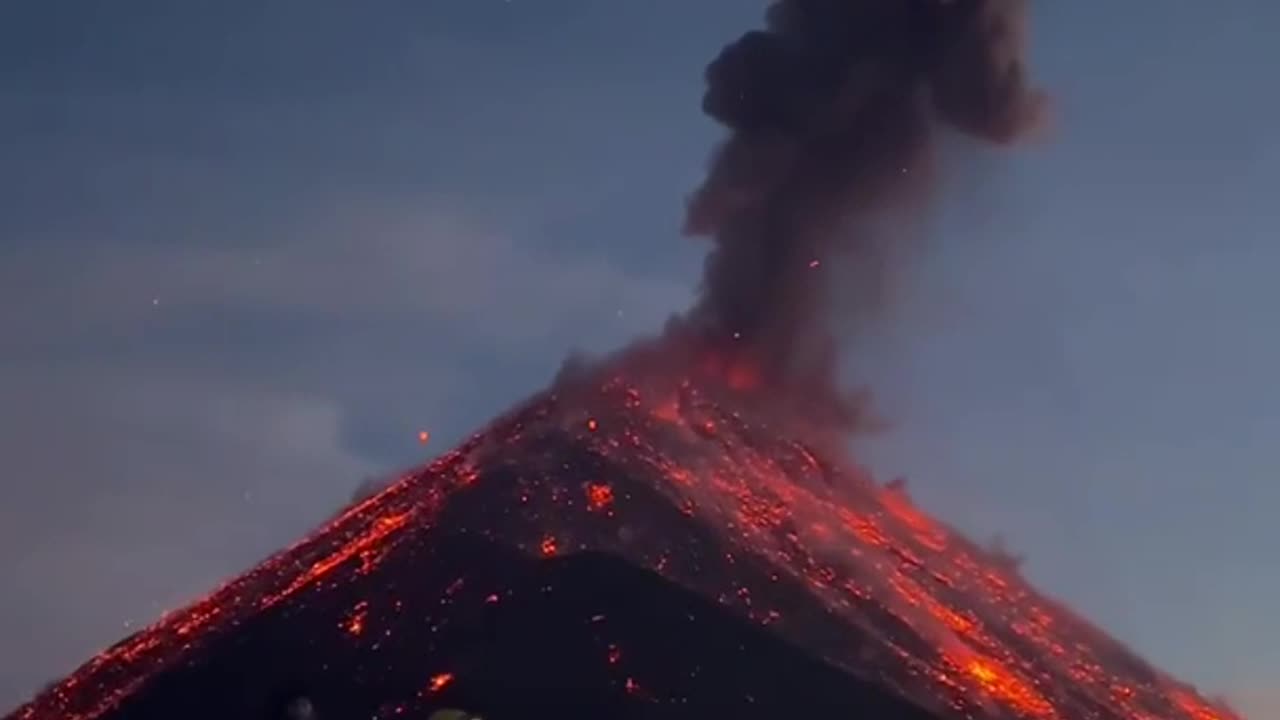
pixel 355 622
pixel 439 682
pixel 424 437
pixel 599 497
pixel 548 546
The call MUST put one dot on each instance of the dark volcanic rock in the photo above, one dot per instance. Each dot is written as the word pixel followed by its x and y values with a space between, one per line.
pixel 585 636
pixel 634 547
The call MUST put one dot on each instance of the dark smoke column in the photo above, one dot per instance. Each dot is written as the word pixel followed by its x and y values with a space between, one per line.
pixel 833 111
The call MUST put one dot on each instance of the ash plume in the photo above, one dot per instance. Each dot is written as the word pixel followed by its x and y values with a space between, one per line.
pixel 833 112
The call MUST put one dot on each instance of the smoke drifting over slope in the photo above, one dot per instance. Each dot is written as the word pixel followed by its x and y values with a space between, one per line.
pixel 833 112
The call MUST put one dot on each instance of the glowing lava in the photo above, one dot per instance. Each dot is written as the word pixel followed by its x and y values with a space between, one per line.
pixel 438 682
pixel 599 497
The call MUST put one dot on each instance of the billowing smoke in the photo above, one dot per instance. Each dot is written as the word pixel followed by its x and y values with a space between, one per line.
pixel 833 113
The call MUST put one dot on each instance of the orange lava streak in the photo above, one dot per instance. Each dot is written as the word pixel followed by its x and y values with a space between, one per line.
pixel 439 682
pixel 198 618
pixel 378 531
pixel 1001 684
pixel 1193 707
pixel 355 622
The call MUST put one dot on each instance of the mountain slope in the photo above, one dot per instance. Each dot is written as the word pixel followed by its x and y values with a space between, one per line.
pixel 507 636
pixel 692 479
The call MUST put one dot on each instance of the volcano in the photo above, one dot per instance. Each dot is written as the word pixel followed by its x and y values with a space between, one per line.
pixel 628 544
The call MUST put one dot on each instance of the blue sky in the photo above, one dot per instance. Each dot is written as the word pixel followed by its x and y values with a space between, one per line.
pixel 247 253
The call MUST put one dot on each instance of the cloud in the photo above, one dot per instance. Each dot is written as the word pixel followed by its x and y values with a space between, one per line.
pixel 373 259
pixel 180 406
pixel 131 494
pixel 220 317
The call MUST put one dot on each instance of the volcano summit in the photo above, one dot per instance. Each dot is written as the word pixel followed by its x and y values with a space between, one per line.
pixel 628 545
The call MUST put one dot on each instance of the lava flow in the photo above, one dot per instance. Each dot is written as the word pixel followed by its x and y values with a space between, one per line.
pixel 682 478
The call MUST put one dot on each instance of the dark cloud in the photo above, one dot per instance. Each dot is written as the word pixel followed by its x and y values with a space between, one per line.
pixel 833 111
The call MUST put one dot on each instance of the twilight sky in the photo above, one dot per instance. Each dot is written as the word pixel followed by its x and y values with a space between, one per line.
pixel 248 250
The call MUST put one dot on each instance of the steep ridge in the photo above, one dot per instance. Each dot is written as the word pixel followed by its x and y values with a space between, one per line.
pixel 686 480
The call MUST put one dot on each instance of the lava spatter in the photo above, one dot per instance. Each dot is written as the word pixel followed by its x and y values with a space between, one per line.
pixel 756 517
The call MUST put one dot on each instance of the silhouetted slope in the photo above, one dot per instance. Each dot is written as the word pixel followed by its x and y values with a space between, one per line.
pixel 581 637
pixel 689 479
